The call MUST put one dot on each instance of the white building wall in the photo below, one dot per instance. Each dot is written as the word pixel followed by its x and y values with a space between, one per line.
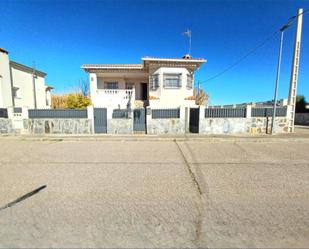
pixel 24 81
pixel 171 97
pixel 5 81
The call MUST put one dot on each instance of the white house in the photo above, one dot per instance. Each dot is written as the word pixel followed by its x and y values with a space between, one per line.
pixel 22 86
pixel 157 82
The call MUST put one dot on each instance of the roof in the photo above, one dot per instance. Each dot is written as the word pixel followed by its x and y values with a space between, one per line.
pixel 3 51
pixel 173 59
pixel 26 68
pixel 48 88
pixel 112 66
pixel 146 61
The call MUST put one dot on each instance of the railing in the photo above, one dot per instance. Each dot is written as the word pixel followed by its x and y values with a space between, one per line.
pixel 120 113
pixel 57 113
pixel 225 112
pixel 3 113
pixel 268 112
pixel 165 113
pixel 125 93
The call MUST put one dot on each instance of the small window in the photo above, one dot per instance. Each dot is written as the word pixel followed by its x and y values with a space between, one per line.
pixel 111 85
pixel 154 81
pixel 172 80
pixel 16 93
pixel 189 81
pixel 129 86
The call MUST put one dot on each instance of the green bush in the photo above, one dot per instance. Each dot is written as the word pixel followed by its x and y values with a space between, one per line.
pixel 77 101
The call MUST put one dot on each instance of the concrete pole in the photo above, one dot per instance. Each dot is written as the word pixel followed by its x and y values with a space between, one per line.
pixel 277 83
pixel 294 71
pixel 34 88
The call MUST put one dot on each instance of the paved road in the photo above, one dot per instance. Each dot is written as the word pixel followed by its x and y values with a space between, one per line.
pixel 185 193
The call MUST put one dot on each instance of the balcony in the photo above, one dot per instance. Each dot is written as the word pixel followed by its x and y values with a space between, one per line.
pixel 117 98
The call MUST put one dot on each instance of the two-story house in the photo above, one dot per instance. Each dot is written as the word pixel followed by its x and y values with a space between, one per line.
pixel 22 86
pixel 157 82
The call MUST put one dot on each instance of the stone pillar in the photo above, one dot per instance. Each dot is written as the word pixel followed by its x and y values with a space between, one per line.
pixel 248 111
pixel 109 113
pixel 10 112
pixel 90 116
pixel 202 112
pixel 184 115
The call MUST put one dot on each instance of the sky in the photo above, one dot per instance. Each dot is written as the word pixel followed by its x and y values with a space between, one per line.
pixel 60 36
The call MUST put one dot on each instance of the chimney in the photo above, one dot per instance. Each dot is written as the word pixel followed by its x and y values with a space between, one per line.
pixel 4 51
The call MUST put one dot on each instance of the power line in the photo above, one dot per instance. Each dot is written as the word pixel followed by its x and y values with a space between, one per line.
pixel 252 50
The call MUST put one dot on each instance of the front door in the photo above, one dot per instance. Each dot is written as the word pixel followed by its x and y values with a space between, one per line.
pixel 194 120
pixel 144 91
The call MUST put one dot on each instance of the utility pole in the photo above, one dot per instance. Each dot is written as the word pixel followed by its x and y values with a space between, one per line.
pixel 33 83
pixel 277 83
pixel 284 27
pixel 294 71
pixel 198 87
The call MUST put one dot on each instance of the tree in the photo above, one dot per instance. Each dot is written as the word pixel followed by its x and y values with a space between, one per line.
pixel 77 101
pixel 300 104
pixel 201 97
pixel 83 87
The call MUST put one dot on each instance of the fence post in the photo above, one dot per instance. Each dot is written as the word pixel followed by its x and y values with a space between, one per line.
pixel 202 112
pixel 184 115
pixel 90 116
pixel 24 112
pixel 248 111
pixel 10 110
pixel 148 118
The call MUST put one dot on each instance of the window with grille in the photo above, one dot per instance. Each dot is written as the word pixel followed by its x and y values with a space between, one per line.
pixel 154 81
pixel 189 81
pixel 111 85
pixel 172 80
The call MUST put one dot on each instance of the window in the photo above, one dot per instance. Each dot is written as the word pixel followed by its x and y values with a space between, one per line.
pixel 154 81
pixel 111 85
pixel 129 86
pixel 189 81
pixel 172 80
pixel 16 93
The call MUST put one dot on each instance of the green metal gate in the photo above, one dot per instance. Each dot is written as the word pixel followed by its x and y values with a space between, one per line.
pixel 139 120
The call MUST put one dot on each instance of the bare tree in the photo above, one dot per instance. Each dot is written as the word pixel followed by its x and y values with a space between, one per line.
pixel 84 87
pixel 201 97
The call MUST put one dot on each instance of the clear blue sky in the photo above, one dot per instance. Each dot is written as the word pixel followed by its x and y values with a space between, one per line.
pixel 60 36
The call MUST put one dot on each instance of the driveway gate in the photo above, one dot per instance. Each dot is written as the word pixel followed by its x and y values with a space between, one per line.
pixel 139 121
pixel 194 120
pixel 100 120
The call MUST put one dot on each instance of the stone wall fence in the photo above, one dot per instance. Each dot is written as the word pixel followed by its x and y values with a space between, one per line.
pixel 302 118
pixel 119 121
pixel 242 120
pixel 166 121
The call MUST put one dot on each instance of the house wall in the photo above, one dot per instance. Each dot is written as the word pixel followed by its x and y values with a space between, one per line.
pixel 23 80
pixel 5 81
pixel 171 97
pixel 99 99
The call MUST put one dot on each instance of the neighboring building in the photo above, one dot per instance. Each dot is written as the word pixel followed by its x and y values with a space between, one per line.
pixel 22 86
pixel 158 82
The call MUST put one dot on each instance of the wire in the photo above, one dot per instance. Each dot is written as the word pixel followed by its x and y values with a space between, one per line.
pixel 252 50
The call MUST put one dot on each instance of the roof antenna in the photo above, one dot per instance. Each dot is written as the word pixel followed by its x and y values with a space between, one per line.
pixel 188 33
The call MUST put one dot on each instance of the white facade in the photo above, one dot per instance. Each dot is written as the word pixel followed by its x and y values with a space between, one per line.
pixel 157 82
pixel 20 87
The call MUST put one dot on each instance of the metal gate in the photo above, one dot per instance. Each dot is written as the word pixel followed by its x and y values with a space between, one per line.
pixel 139 121
pixel 100 120
pixel 194 120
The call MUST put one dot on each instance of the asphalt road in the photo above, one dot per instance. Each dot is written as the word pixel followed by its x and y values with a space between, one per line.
pixel 156 193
